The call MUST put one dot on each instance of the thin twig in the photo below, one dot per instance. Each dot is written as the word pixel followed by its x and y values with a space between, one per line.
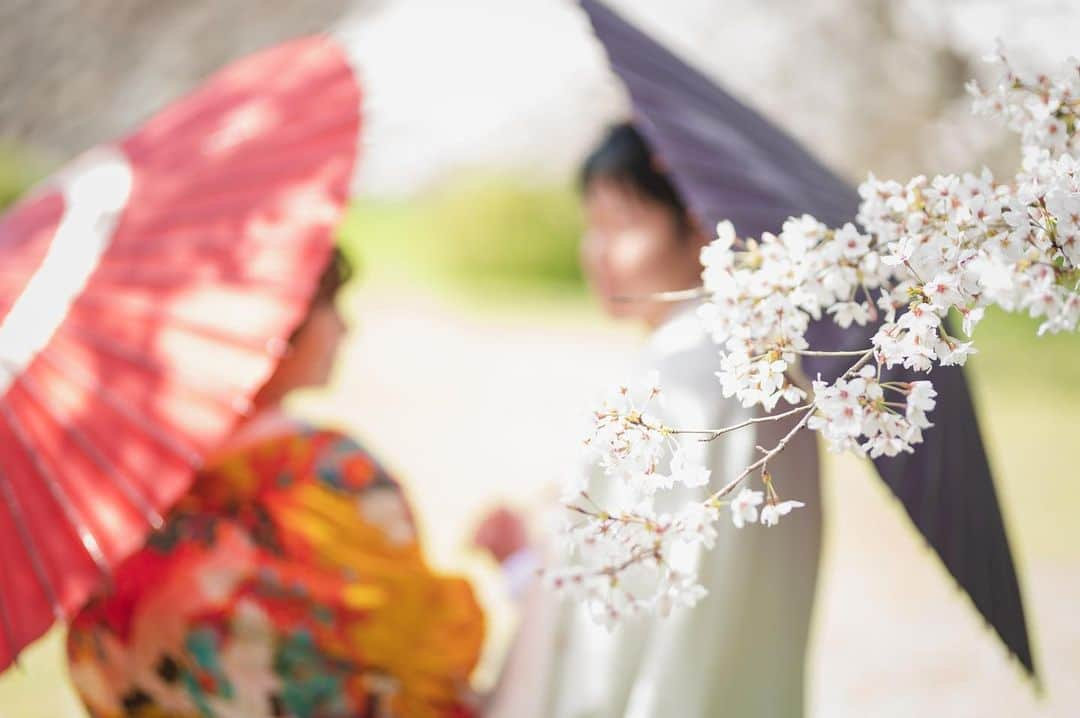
pixel 676 296
pixel 730 486
pixel 813 353
pixel 716 433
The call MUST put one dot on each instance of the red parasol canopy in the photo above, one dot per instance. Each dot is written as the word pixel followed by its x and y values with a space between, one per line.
pixel 146 292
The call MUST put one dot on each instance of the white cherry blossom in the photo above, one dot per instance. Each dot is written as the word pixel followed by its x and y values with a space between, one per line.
pixel 744 507
pixel 771 513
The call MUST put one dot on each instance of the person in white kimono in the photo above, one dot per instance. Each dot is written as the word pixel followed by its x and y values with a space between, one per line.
pixel 741 650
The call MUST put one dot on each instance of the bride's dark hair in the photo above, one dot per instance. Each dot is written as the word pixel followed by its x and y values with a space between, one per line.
pixel 339 270
pixel 624 157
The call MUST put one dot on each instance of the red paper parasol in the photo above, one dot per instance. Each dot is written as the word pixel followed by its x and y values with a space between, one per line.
pixel 146 292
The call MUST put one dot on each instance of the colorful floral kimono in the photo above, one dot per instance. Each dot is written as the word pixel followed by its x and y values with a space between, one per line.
pixel 289 582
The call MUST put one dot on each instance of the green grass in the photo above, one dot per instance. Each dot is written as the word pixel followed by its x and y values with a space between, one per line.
pixel 486 235
pixel 1027 391
pixel 18 170
pixel 1010 354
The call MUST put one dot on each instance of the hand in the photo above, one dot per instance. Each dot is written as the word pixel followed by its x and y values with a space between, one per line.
pixel 501 533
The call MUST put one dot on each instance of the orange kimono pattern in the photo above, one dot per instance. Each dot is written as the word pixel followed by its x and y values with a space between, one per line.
pixel 289 582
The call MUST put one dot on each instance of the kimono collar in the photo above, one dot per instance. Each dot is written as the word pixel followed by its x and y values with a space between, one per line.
pixel 270 423
pixel 680 332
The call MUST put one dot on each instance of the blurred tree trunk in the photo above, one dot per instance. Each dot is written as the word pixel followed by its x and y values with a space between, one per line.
pixel 76 72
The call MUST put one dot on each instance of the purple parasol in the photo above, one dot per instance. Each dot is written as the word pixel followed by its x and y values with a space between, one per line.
pixel 731 163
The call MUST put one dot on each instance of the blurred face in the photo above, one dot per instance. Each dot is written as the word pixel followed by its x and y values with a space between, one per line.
pixel 316 344
pixel 312 351
pixel 634 246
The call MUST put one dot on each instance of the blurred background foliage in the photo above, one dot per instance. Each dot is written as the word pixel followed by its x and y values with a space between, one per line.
pixel 482 233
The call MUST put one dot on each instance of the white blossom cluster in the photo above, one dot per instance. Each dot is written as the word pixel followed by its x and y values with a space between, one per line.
pixel 1040 108
pixel 921 250
pixel 626 558
pixel 856 414
pixel 625 562
pixel 763 296
pixel 632 446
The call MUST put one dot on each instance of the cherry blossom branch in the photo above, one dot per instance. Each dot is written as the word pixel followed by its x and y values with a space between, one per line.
pixel 925 248
pixel 780 445
pixel 712 434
